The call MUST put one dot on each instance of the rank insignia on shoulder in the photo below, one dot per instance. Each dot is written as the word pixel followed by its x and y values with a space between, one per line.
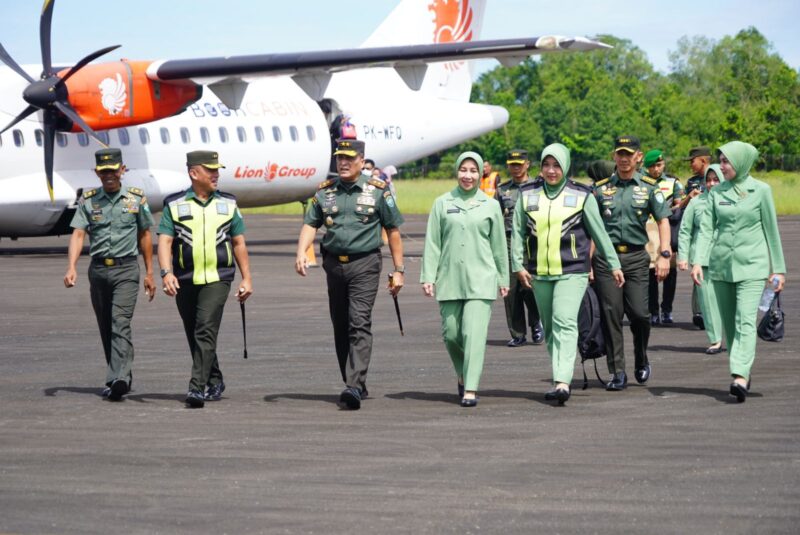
pixel 136 191
pixel 326 184
pixel 90 193
pixel 386 193
pixel 648 180
pixel 601 182
pixel 377 182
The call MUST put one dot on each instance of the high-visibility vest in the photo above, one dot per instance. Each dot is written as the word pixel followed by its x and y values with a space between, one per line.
pixel 489 183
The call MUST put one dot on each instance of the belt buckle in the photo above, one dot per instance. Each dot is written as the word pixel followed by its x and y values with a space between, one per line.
pixel 622 248
pixel 108 262
pixel 344 259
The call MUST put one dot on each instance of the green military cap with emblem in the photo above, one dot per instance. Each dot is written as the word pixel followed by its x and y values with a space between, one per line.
pixel 627 143
pixel 108 159
pixel 206 158
pixel 349 147
pixel 517 156
pixel 698 151
pixel 653 157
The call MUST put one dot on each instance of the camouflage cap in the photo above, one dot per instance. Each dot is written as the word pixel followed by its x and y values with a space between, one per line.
pixel 206 158
pixel 107 159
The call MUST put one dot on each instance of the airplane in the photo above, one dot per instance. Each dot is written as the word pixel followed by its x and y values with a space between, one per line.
pixel 272 117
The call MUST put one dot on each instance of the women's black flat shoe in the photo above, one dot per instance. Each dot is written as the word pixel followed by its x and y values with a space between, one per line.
pixel 469 402
pixel 562 395
pixel 551 395
pixel 739 392
pixel 714 350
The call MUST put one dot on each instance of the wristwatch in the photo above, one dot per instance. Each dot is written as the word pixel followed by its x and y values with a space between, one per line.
pixel 164 272
pixel 400 269
pixel 666 254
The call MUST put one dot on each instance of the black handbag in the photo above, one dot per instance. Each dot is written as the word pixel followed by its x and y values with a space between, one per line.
pixel 770 329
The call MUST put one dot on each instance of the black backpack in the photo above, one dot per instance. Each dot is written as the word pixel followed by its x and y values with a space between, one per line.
pixel 591 342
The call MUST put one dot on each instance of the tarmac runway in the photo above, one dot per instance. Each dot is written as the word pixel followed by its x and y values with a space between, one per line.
pixel 276 455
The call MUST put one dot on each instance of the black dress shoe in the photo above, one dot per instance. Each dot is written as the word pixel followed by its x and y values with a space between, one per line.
pixel 538 334
pixel 351 398
pixel 698 321
pixel 551 395
pixel 214 392
pixel 642 374
pixel 106 392
pixel 655 319
pixel 118 389
pixel 666 318
pixel 739 392
pixel 618 382
pixel 469 402
pixel 714 350
pixel 517 341
pixel 195 399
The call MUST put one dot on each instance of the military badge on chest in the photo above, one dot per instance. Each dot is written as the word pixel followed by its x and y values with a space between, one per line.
pixel 97 213
pixel 130 205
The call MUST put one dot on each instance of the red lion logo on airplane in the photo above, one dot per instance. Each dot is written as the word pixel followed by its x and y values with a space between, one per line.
pixel 453 23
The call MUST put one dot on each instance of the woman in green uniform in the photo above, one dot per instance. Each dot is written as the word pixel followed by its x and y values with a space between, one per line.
pixel 556 219
pixel 464 263
pixel 744 252
pixel 687 241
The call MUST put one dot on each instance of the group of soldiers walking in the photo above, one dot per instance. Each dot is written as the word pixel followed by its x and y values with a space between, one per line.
pixel 538 241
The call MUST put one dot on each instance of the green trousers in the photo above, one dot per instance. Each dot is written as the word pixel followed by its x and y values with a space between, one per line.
pixel 518 299
pixel 737 303
pixel 631 300
pixel 707 300
pixel 201 307
pixel 465 324
pixel 560 302
pixel 113 290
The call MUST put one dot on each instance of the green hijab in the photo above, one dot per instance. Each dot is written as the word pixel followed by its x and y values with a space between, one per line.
pixel 561 154
pixel 742 157
pixel 717 170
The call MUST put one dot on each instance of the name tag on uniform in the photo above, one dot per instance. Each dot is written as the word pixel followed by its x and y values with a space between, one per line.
pixel 532 202
pixel 571 201
pixel 222 208
pixel 725 203
pixel 453 210
pixel 97 214
pixel 367 200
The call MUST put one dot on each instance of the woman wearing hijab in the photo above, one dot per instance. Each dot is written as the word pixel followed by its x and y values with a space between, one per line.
pixel 741 256
pixel 464 263
pixel 556 219
pixel 687 241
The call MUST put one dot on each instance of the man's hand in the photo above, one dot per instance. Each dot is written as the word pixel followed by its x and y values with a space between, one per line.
pixel 396 281
pixel 524 277
pixel 149 287
pixel 70 278
pixel 619 277
pixel 662 268
pixel 170 285
pixel 245 290
pixel 301 264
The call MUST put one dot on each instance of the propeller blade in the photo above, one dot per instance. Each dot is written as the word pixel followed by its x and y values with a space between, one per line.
pixel 8 60
pixel 27 111
pixel 50 119
pixel 69 111
pixel 82 63
pixel 45 22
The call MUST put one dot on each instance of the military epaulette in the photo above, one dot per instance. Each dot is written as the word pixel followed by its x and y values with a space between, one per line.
pixel 649 180
pixel 504 184
pixel 136 191
pixel 326 184
pixel 90 193
pixel 602 182
pixel 377 182
pixel 577 185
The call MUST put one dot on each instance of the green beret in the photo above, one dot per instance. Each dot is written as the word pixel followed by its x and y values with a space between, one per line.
pixel 653 157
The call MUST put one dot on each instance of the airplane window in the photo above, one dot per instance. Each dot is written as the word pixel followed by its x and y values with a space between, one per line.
pixel 259 134
pixel 104 137
pixel 310 133
pixel 223 134
pixel 61 139
pixel 144 136
pixel 39 135
pixel 83 139
pixel 124 138
pixel 241 133
pixel 185 137
pixel 164 136
pixel 276 133
pixel 204 135
pixel 19 140
pixel 293 133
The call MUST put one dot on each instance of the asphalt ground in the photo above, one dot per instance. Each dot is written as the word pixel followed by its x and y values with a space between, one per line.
pixel 277 455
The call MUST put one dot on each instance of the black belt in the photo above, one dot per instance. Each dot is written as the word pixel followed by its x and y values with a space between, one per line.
pixel 347 258
pixel 108 261
pixel 627 248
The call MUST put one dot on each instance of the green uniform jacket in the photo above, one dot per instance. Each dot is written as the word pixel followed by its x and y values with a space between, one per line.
pixel 466 254
pixel 747 242
pixel 625 206
pixel 690 228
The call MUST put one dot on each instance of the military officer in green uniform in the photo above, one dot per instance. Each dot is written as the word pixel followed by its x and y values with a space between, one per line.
pixel 117 220
pixel 353 208
pixel 519 297
pixel 201 233
pixel 626 200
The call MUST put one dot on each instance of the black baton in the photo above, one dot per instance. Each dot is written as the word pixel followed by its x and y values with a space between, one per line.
pixel 244 329
pixel 396 307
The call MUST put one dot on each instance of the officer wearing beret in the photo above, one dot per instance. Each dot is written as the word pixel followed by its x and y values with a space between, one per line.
pixel 353 208
pixel 200 235
pixel 699 160
pixel 116 220
pixel 519 297
pixel 626 200
pixel 672 189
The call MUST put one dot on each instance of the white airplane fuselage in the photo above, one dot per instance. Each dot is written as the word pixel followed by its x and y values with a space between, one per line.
pixel 276 147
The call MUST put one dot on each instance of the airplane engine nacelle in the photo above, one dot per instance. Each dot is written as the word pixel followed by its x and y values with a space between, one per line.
pixel 119 94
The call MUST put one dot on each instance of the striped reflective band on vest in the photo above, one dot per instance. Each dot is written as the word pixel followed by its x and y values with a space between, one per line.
pixel 558 242
pixel 202 251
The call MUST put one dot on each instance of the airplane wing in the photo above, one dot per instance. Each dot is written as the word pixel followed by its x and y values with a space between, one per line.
pixel 312 70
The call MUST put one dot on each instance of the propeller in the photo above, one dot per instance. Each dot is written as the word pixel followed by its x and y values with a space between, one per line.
pixel 49 94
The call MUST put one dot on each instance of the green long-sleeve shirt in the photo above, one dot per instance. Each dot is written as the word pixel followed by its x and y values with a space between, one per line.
pixel 690 228
pixel 465 254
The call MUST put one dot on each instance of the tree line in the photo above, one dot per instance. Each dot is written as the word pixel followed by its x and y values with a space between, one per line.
pixel 716 91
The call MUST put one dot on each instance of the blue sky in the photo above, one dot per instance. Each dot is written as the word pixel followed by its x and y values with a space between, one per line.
pixel 170 29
